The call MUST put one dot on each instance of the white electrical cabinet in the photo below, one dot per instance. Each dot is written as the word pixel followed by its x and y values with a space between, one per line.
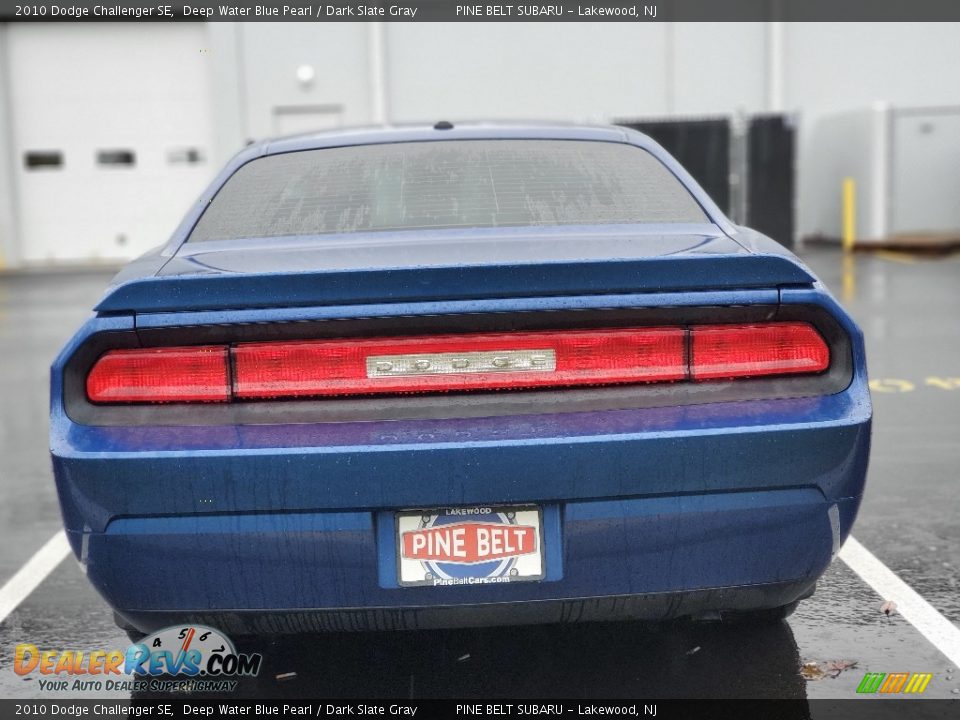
pixel 906 166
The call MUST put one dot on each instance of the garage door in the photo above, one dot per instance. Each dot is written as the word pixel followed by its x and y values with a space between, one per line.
pixel 112 135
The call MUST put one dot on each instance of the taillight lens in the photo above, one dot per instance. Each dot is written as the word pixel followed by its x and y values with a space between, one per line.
pixel 738 351
pixel 444 363
pixel 156 375
pixel 458 362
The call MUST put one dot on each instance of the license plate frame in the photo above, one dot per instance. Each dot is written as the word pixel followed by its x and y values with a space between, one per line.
pixel 511 535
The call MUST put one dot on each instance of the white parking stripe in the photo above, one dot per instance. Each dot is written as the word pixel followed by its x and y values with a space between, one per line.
pixel 43 562
pixel 942 633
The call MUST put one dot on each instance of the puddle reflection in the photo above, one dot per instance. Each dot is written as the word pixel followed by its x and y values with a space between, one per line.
pixel 608 660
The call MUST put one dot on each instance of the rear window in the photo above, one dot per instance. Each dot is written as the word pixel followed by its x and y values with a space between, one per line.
pixel 446 184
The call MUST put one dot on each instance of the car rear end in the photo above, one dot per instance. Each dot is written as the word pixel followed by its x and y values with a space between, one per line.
pixel 425 425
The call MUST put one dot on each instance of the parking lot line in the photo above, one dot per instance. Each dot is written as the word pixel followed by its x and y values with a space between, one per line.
pixel 25 581
pixel 942 633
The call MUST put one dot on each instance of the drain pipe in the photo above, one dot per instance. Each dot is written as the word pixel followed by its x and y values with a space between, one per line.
pixel 378 72
pixel 775 50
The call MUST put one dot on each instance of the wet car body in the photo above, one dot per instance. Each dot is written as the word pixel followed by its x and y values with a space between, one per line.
pixel 647 499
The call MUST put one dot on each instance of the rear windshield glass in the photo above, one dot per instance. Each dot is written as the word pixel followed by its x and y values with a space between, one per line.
pixel 446 184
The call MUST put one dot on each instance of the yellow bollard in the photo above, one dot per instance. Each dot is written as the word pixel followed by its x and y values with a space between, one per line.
pixel 849 213
pixel 849 236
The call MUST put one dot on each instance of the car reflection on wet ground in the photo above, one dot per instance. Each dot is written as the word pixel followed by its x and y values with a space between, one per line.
pixel 595 660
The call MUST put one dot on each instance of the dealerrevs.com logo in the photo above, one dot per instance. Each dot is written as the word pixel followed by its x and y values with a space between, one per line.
pixel 192 658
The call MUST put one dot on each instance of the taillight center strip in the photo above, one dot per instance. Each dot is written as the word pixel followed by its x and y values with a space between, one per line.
pixel 490 361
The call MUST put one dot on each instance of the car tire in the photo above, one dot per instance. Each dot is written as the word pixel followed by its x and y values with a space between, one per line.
pixel 766 616
pixel 133 634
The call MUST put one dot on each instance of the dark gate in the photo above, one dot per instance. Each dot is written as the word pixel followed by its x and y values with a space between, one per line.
pixel 763 158
pixel 771 176
pixel 702 146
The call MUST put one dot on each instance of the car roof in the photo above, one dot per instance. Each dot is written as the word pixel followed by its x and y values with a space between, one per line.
pixel 421 132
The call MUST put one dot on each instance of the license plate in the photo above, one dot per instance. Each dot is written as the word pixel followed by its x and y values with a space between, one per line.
pixel 470 546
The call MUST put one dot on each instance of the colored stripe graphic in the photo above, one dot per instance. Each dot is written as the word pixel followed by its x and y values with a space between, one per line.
pixel 918 682
pixel 871 682
pixel 893 683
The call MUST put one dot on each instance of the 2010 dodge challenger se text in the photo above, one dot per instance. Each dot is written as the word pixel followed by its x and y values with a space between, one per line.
pixel 450 376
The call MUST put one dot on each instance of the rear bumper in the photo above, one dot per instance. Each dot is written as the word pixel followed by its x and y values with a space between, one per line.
pixel 107 473
pixel 640 557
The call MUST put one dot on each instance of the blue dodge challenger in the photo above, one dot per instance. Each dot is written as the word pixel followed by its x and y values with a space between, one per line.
pixel 453 376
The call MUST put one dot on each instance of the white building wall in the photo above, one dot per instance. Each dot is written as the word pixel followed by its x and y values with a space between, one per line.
pixel 718 68
pixel 587 72
pixel 9 245
pixel 569 71
pixel 275 78
pixel 279 102
pixel 228 92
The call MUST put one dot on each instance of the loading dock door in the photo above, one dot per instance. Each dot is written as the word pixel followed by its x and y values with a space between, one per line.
pixel 111 135
pixel 299 119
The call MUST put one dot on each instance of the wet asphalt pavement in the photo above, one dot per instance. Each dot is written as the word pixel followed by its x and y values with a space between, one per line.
pixel 909 309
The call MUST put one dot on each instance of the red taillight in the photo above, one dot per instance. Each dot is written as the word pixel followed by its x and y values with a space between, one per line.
pixel 171 374
pixel 736 351
pixel 442 363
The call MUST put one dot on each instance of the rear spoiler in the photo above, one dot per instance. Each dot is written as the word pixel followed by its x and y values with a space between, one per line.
pixel 223 291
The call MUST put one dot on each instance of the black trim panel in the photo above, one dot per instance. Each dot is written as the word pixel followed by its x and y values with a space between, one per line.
pixel 650 606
